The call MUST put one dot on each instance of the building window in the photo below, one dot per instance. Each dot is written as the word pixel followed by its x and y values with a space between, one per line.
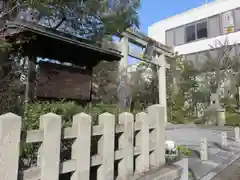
pixel 190 33
pixel 237 19
pixel 202 30
pixel 170 37
pixel 196 31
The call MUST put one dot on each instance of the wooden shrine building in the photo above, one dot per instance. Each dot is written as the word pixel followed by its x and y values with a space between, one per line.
pixel 72 81
pixel 75 81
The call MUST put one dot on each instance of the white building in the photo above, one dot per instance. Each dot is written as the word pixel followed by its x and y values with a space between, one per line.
pixel 192 32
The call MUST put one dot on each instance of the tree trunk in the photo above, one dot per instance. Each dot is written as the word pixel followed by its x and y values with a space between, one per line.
pixel 31 80
pixel 123 91
pixel 215 96
pixel 237 95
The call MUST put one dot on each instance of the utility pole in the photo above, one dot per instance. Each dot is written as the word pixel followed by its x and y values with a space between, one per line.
pixel 206 3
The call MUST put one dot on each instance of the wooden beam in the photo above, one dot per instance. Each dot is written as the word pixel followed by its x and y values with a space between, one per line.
pixel 31 78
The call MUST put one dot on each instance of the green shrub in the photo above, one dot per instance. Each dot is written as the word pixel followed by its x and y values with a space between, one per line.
pixel 28 153
pixel 183 151
pixel 232 119
pixel 96 109
pixel 34 111
pixel 67 110
pixel 210 116
pixel 177 114
pixel 191 175
pixel 229 104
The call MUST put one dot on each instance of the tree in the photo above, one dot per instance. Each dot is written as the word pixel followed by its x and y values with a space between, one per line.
pixel 180 80
pixel 10 86
pixel 86 18
pixel 218 66
pixel 235 78
pixel 104 82
pixel 91 19
pixel 186 96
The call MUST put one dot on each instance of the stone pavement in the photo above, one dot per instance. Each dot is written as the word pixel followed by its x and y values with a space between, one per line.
pixel 190 135
pixel 232 172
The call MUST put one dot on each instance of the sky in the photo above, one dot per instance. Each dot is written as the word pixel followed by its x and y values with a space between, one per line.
pixel 152 11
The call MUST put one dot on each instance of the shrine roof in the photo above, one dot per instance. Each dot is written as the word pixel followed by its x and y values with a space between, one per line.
pixel 49 43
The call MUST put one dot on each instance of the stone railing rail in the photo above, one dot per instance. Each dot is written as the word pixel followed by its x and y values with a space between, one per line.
pixel 140 146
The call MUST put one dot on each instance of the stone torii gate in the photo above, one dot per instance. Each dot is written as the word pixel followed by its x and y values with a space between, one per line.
pixel 152 52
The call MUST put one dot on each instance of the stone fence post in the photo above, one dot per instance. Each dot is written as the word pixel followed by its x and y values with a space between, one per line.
pixel 125 167
pixel 83 123
pixel 10 129
pixel 50 148
pixel 221 117
pixel 142 140
pixel 224 141
pixel 237 134
pixel 203 149
pixel 106 147
pixel 156 115
pixel 118 152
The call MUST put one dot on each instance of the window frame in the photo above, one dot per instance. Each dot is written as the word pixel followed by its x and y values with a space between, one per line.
pixel 175 29
pixel 207 21
pixel 172 29
pixel 204 21
pixel 235 19
pixel 190 25
pixel 195 30
pixel 219 25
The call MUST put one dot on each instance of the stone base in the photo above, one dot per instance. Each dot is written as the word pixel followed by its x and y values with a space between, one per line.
pixel 221 117
pixel 172 172
pixel 215 116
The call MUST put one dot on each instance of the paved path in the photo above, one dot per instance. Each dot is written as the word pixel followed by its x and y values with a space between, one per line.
pixel 190 135
pixel 232 172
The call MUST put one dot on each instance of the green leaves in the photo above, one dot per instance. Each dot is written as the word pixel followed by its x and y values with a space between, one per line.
pixel 37 3
pixel 88 18
pixel 183 151
pixel 4 45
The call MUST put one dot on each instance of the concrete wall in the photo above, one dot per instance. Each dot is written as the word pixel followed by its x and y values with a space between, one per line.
pixel 204 45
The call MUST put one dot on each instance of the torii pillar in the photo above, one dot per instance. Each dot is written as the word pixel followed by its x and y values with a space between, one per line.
pixel 123 91
pixel 162 87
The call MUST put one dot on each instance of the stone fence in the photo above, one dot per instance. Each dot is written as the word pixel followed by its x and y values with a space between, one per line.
pixel 223 143
pixel 135 144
